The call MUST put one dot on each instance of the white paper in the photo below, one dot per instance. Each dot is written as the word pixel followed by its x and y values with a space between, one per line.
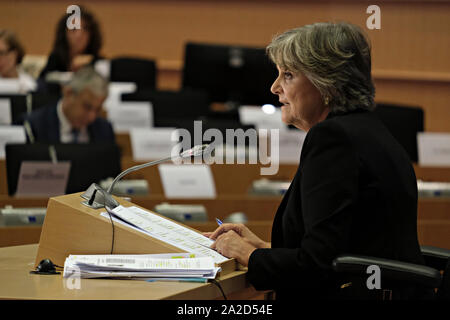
pixel 9 85
pixel 43 178
pixel 5 111
pixel 290 146
pixel 10 134
pixel 129 115
pixel 120 262
pixel 187 181
pixel 433 149
pixel 151 266
pixel 254 115
pixel 168 231
pixel 115 91
pixel 153 143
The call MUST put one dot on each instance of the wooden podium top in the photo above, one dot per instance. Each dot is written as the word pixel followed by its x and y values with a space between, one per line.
pixel 18 283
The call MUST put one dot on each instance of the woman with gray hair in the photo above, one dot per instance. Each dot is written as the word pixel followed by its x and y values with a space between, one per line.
pixel 355 191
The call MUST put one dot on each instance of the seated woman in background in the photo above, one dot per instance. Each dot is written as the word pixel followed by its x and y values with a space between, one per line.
pixel 72 49
pixel 11 55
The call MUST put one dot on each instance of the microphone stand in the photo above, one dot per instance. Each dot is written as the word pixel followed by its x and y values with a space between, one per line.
pixel 97 200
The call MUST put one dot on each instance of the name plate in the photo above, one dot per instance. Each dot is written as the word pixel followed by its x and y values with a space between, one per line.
pixel 187 181
pixel 43 178
pixel 10 134
pixel 153 143
pixel 130 115
pixel 253 115
pixel 115 91
pixel 434 149
pixel 290 146
pixel 9 86
pixel 5 111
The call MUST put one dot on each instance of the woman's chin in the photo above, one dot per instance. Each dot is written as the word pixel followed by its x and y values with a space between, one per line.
pixel 285 114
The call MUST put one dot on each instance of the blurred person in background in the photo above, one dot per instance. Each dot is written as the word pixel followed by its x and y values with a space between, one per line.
pixel 11 56
pixel 72 49
pixel 76 118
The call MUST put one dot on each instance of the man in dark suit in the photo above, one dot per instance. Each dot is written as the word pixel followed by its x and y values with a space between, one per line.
pixel 76 117
pixel 355 191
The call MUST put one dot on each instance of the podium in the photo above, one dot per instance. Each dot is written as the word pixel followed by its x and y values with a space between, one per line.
pixel 73 228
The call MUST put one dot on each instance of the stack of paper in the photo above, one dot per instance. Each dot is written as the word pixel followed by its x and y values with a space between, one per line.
pixel 148 266
pixel 165 230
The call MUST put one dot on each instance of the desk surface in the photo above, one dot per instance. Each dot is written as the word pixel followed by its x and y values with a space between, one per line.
pixel 18 283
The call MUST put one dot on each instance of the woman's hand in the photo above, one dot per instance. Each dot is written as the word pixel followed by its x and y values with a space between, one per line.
pixel 242 231
pixel 232 245
pixel 80 61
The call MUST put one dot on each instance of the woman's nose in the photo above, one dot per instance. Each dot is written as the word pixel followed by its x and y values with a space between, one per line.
pixel 275 88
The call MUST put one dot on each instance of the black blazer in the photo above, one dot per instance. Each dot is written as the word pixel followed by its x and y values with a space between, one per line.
pixel 354 192
pixel 44 124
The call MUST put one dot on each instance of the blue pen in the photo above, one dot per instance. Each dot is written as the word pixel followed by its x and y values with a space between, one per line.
pixel 219 222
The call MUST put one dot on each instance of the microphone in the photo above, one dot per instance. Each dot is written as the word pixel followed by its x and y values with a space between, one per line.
pixel 104 198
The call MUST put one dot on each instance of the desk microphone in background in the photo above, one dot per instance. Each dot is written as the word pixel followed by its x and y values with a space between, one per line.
pixel 101 199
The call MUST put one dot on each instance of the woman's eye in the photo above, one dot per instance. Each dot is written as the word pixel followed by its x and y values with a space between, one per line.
pixel 287 75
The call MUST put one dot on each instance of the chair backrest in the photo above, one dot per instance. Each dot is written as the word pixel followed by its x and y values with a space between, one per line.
pixel 404 122
pixel 130 69
pixel 238 74
pixel 439 258
pixel 103 161
pixel 22 104
pixel 172 108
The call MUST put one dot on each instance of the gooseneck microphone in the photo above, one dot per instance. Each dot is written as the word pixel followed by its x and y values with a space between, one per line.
pixel 102 199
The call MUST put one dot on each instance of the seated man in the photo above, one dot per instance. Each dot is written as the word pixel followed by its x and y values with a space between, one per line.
pixel 75 118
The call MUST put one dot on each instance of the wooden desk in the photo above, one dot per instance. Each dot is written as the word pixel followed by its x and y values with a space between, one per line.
pixel 18 283
pixel 256 208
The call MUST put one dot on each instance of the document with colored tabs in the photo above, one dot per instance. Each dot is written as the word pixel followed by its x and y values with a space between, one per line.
pixel 174 266
pixel 166 230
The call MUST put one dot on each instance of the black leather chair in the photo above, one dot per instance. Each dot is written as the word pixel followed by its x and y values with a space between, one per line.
pixel 435 275
pixel 404 122
pixel 23 104
pixel 131 69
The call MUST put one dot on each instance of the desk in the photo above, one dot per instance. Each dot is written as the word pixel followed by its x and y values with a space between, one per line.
pixel 18 283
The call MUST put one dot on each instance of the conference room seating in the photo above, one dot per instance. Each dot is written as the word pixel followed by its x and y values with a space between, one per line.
pixel 88 162
pixel 179 109
pixel 171 106
pixel 22 104
pixel 435 274
pixel 133 69
pixel 233 74
pixel 404 122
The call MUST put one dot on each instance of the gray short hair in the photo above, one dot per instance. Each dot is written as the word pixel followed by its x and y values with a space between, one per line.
pixel 87 77
pixel 335 57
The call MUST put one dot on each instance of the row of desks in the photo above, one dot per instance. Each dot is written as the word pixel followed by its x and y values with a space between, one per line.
pixel 433 216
